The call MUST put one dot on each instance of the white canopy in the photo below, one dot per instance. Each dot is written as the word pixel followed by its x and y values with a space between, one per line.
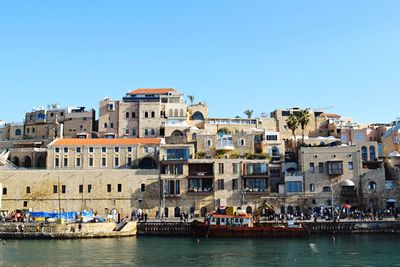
pixel 347 182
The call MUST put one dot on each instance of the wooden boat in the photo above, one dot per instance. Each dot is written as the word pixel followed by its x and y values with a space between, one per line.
pixel 242 225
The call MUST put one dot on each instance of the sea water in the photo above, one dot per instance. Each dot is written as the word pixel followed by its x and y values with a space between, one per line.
pixel 340 250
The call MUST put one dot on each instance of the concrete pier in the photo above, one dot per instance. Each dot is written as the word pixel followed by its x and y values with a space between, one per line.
pixel 65 231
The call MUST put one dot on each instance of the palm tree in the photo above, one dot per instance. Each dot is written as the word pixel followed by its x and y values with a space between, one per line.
pixel 191 99
pixel 304 119
pixel 293 123
pixel 248 113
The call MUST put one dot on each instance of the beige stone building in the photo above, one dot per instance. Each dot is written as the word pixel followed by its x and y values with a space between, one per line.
pixel 103 153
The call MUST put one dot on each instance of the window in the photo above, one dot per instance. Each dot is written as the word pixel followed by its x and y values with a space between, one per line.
pixel 89 188
pixel 350 166
pixel 78 150
pixel 321 167
pixel 104 162
pixel 57 150
pixel 235 184
pixel 65 162
pixel 153 131
pixel 133 115
pixel 105 125
pixel 364 153
pixel 146 132
pixel 153 114
pixel 235 168
pixel 111 125
pixel 372 154
pixel 111 107
pixel 4 190
pixel 220 168
pixel 63 189
pixel 91 161
pixel 129 149
pixel 326 189
pixel 272 137
pixel 81 188
pixel 208 143
pixel 116 149
pixel 312 188
pixel 108 188
pixel 56 162
pixel 129 161
pixel 220 184
pixel 335 167
pixel 28 189
pixel 389 185
pixel 91 149
pixel 126 115
pixel 127 131
pixel 25 203
pixel 241 142
pixel 78 161
pixel 312 167
pixel 55 189
pixel 18 132
pixel 133 131
pixel 371 186
pixel 294 187
pixel 116 161
pixel 142 187
pixel 146 114
pixel 119 187
pixel 104 149
pixel 65 149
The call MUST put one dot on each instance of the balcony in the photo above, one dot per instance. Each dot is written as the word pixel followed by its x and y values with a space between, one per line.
pixel 204 170
pixel 256 169
pixel 225 143
pixel 201 186
pixel 176 155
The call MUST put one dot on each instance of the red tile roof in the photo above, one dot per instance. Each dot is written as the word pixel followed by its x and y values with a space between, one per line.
pixel 104 141
pixel 330 115
pixel 143 91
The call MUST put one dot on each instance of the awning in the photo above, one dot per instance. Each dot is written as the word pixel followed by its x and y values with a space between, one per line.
pixel 347 182
pixel 391 200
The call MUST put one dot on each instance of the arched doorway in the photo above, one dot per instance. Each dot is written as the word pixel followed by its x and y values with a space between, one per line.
pixel 290 210
pixel 177 212
pixel 15 161
pixel 27 162
pixel 147 163
pixel 41 162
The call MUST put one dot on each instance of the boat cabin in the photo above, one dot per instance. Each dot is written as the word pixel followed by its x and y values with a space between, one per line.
pixel 231 220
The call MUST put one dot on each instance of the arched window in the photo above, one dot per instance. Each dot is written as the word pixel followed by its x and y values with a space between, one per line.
pixel 153 114
pixel 177 212
pixel 166 212
pixel 65 161
pixel 249 210
pixel 91 161
pixel 312 188
pixel 364 153
pixel 181 113
pixel 127 115
pixel 326 189
pixel 170 112
pixel 371 186
pixel 18 132
pixel 197 116
pixel 129 160
pixel 176 113
pixel 133 115
pixel 28 189
pixel 275 151
pixel 116 161
pixel 57 161
pixel 372 154
pixel 4 190
pixel 146 114
pixel 78 161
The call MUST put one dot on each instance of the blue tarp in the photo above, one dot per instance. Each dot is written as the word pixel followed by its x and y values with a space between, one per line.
pixel 71 215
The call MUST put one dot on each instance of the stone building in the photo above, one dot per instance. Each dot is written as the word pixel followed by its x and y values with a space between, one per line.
pixel 103 153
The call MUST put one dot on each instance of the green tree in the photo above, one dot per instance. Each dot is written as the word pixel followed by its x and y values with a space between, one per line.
pixel 248 113
pixel 293 123
pixel 191 99
pixel 303 118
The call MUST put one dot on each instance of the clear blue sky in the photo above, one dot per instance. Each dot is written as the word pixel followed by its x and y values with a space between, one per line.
pixel 235 55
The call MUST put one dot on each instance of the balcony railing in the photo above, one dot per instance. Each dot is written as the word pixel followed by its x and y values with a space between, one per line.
pixel 225 145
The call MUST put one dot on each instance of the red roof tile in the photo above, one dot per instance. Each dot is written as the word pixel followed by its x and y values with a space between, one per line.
pixel 104 141
pixel 143 91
